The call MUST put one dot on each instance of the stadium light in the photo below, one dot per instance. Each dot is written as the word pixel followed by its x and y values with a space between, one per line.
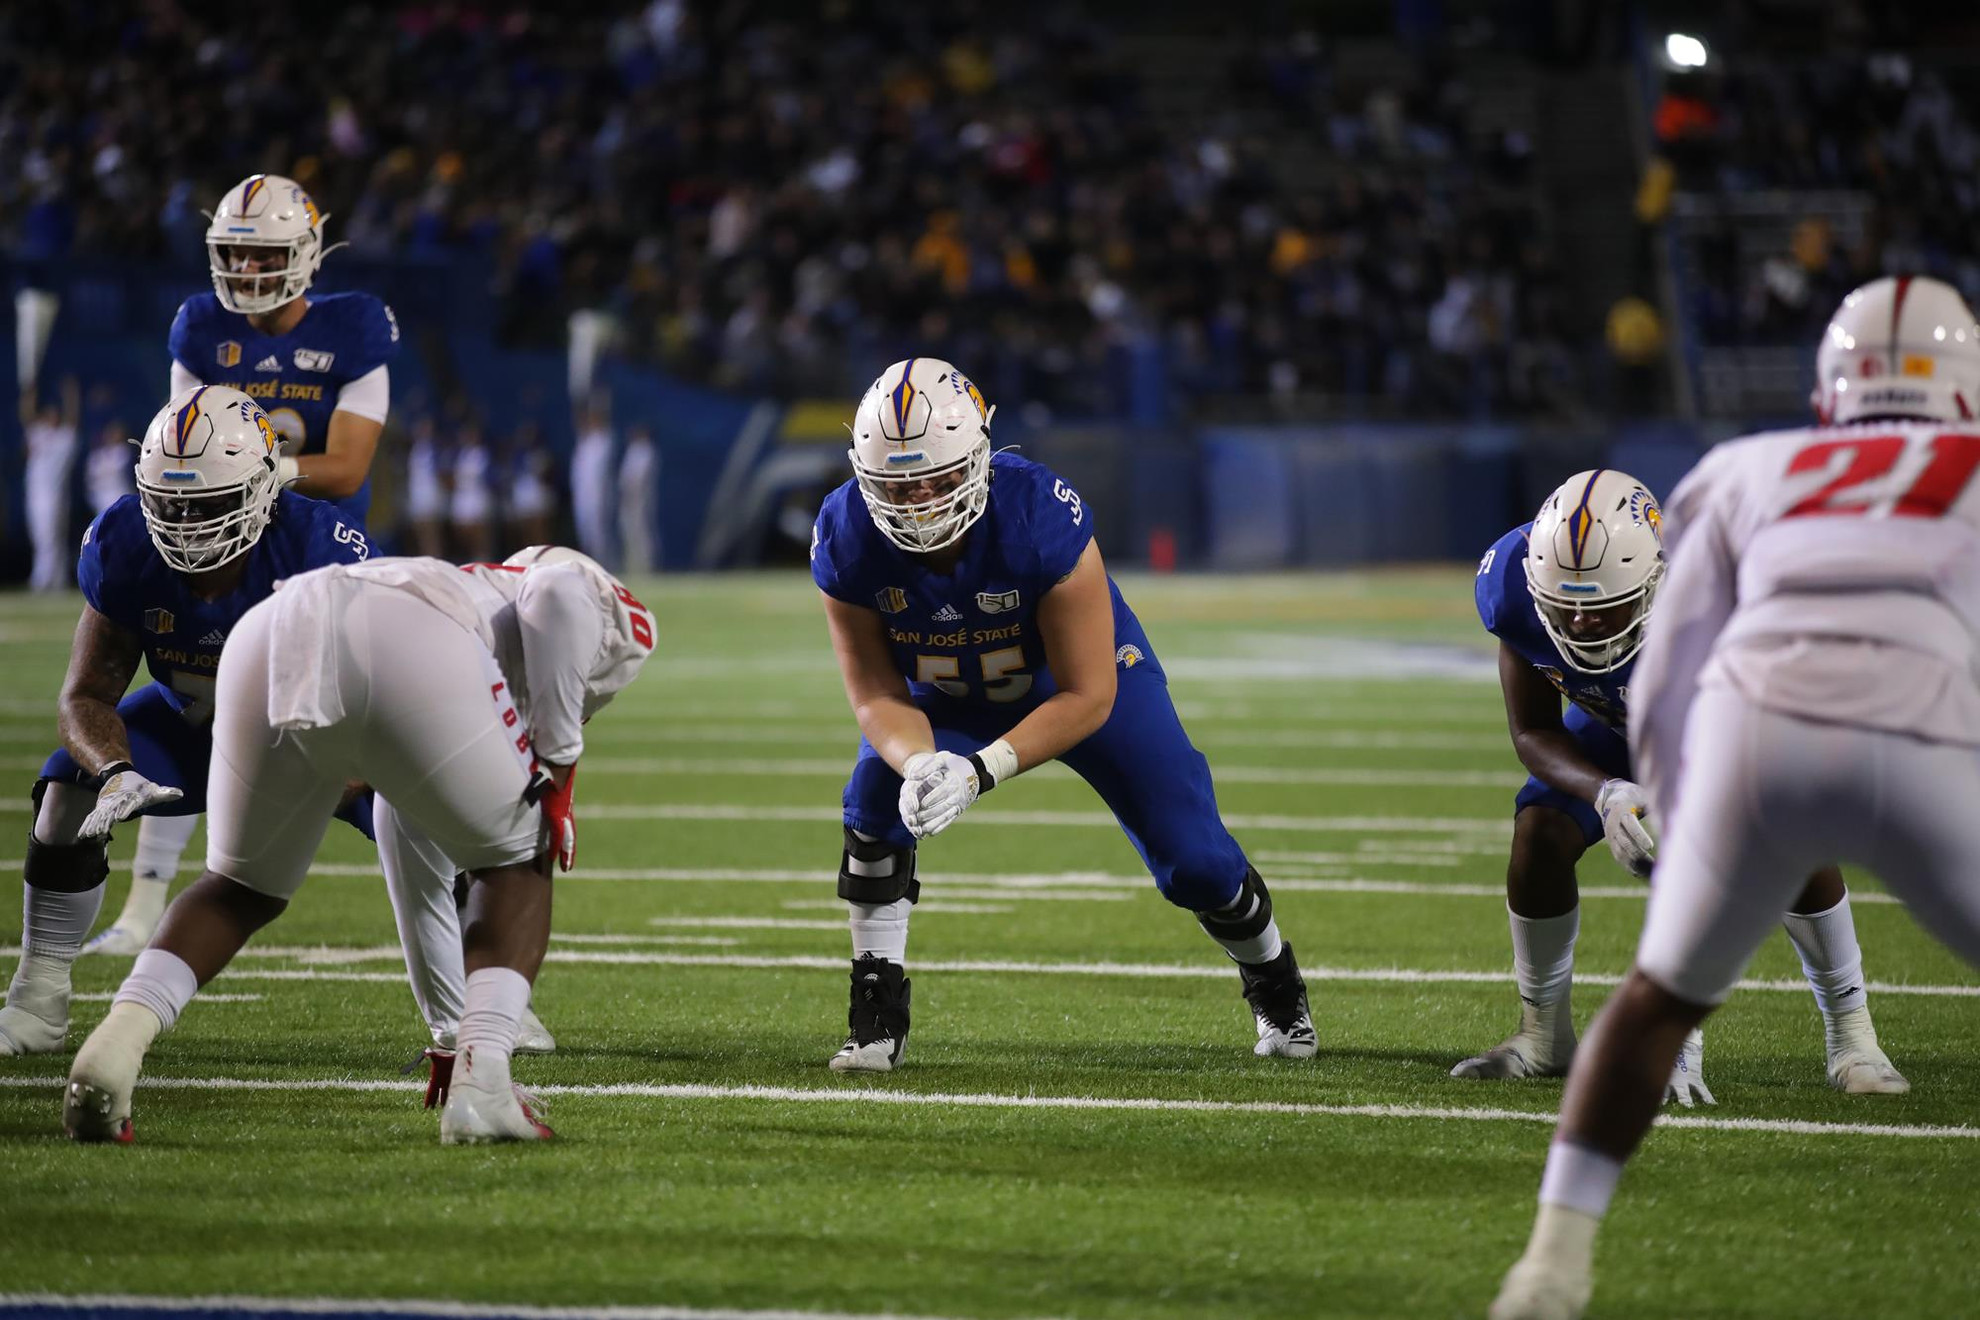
pixel 1685 51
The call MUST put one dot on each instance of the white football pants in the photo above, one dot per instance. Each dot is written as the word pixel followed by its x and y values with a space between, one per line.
pixel 1764 798
pixel 427 722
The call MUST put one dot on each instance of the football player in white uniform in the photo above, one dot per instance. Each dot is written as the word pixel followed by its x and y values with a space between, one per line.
pixel 428 890
pixel 459 695
pixel 1807 693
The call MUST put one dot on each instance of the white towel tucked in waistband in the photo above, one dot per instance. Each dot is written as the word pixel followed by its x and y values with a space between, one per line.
pixel 303 687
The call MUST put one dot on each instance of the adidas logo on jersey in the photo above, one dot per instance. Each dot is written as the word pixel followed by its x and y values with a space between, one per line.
pixel 269 363
pixel 948 614
pixel 218 637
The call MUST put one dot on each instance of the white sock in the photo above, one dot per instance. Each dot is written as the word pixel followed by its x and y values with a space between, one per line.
pixel 162 982
pixel 496 998
pixel 1543 962
pixel 1830 958
pixel 1260 948
pixel 53 923
pixel 880 930
pixel 161 843
pixel 1579 1179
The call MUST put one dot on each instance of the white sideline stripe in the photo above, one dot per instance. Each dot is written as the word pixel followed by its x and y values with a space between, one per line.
pixel 330 956
pixel 868 1095
pixel 799 768
pixel 105 996
pixel 444 1310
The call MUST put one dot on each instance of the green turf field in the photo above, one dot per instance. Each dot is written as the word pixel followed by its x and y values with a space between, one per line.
pixel 1080 1129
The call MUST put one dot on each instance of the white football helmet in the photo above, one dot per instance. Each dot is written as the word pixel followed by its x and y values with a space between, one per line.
pixel 1593 562
pixel 921 453
pixel 1903 347
pixel 206 477
pixel 263 219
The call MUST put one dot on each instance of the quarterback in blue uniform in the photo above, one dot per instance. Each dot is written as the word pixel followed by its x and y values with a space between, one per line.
pixel 318 366
pixel 1568 596
pixel 979 636
pixel 165 575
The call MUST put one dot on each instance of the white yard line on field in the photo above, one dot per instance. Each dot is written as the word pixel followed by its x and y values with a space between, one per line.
pixel 669 731
pixel 332 956
pixel 238 1305
pixel 714 941
pixel 938 905
pixel 105 996
pixel 819 768
pixel 1048 886
pixel 1498 824
pixel 873 1095
pixel 751 923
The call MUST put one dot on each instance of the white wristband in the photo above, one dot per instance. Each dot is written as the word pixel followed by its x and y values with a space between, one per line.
pixel 287 471
pixel 999 760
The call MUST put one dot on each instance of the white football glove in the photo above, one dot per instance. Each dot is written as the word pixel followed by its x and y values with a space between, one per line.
pixel 124 795
pixel 1687 1084
pixel 1625 812
pixel 936 788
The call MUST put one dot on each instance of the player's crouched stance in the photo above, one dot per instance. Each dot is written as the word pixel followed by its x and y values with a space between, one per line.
pixel 389 673
pixel 1568 596
pixel 166 574
pixel 1807 693
pixel 979 635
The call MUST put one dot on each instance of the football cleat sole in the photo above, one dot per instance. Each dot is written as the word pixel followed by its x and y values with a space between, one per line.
pixel 89 1113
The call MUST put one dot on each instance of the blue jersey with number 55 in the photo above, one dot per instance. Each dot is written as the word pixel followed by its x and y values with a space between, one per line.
pixel 123 579
pixel 972 633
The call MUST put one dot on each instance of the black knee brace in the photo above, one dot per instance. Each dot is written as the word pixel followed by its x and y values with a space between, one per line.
pixel 1244 917
pixel 892 885
pixel 63 868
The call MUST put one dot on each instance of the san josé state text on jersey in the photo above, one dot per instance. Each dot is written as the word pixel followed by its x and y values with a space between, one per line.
pixel 295 377
pixel 182 633
pixel 1505 607
pixel 971 633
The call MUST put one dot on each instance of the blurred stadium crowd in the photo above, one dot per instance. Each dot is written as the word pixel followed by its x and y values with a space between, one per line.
pixel 773 198
pixel 774 203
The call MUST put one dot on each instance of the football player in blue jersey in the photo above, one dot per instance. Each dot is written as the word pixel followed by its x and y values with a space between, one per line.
pixel 165 574
pixel 979 636
pixel 318 366
pixel 1568 596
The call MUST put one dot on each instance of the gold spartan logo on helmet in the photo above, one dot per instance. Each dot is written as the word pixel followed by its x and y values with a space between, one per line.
pixel 268 435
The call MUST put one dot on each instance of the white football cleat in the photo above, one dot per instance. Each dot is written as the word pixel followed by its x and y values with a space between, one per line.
pixel 35 1019
pixel 96 1106
pixel 1532 1051
pixel 532 1037
pixel 485 1106
pixel 25 1032
pixel 1687 1084
pixel 1277 994
pixel 120 941
pixel 1857 1065
pixel 876 1019
pixel 1541 1290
